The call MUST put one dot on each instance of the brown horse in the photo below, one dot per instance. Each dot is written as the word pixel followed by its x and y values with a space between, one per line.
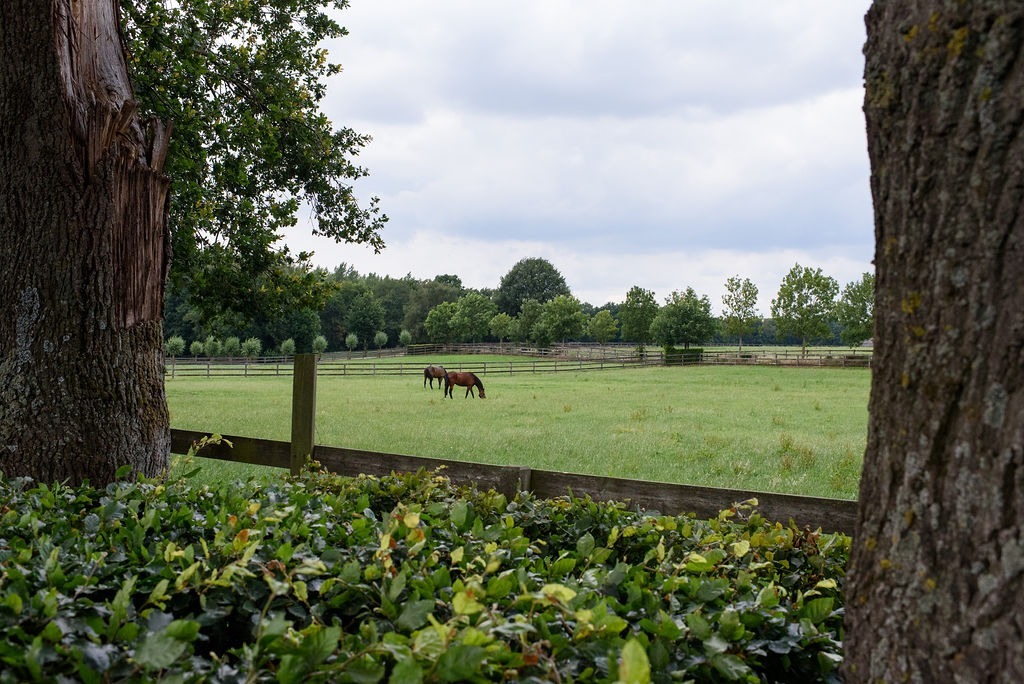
pixel 466 379
pixel 433 373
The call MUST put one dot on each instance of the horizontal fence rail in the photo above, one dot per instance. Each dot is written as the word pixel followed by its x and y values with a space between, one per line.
pixel 831 515
pixel 567 359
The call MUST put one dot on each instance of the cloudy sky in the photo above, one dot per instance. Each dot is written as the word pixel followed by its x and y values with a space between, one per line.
pixel 662 143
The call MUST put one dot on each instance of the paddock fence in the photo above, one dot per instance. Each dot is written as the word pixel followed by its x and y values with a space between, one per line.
pixel 562 358
pixel 831 515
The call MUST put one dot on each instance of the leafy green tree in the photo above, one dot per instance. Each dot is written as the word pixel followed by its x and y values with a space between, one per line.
pixel 351 342
pixel 440 322
pixel 288 347
pixel 740 300
pixel 405 338
pixel 212 346
pixel 300 325
pixel 393 295
pixel 685 319
pixel 252 347
pixel 450 280
pixel 563 319
pixel 380 339
pixel 196 348
pixel 805 304
pixel 473 316
pixel 174 346
pixel 242 83
pixel 636 315
pixel 319 344
pixel 603 326
pixel 856 310
pixel 232 346
pixel 422 300
pixel 527 320
pixel 502 326
pixel 334 311
pixel 531 278
pixel 365 317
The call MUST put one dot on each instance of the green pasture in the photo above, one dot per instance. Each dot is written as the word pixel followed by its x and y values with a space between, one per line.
pixel 791 430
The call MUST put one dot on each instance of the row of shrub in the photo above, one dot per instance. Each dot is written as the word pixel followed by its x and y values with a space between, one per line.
pixel 402 579
pixel 251 348
pixel 232 347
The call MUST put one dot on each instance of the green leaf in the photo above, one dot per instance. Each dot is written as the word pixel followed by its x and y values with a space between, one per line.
pixel 183 630
pixel 634 667
pixel 585 545
pixel 558 592
pixel 159 650
pixel 460 663
pixel 406 671
pixel 818 609
pixel 729 625
pixel 414 614
pixel 697 563
pixel 465 604
pixel 731 667
pixel 562 567
pixel 699 626
pixel 768 597
pixel 318 643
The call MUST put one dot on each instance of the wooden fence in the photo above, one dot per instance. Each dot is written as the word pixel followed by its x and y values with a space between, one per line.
pixel 557 359
pixel 831 515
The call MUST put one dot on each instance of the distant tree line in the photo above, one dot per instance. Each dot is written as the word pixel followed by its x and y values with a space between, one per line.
pixel 531 305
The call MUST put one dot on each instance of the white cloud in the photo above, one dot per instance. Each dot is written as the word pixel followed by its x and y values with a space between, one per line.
pixel 661 144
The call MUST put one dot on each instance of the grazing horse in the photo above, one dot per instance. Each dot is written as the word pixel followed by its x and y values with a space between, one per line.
pixel 466 379
pixel 433 373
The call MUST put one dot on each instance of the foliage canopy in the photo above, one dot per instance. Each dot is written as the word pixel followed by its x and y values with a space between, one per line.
pixel 805 303
pixel 403 579
pixel 242 83
pixel 530 278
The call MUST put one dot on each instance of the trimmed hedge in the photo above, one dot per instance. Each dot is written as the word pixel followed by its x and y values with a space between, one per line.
pixel 402 579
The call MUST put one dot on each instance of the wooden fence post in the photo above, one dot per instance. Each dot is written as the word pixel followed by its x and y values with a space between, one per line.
pixel 303 410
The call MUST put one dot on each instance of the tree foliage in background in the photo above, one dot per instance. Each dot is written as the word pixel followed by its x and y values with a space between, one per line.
pixel 424 298
pixel 685 319
pixel 242 84
pixel 440 322
pixel 602 326
pixel 636 315
pixel 562 319
pixel 805 304
pixel 740 301
pixel 502 326
pixel 473 314
pixel 365 317
pixel 527 329
pixel 531 278
pixel 855 310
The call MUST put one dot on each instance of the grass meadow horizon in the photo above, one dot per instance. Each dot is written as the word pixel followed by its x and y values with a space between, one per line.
pixel 771 429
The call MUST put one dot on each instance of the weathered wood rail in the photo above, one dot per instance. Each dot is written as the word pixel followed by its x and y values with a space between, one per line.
pixel 831 515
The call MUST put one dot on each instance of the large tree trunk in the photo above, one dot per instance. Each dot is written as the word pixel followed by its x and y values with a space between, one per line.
pixel 936 580
pixel 84 250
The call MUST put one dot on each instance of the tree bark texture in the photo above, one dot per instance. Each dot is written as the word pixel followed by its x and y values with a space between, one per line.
pixel 84 250
pixel 936 580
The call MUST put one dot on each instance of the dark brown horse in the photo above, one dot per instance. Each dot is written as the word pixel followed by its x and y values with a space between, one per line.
pixel 433 373
pixel 466 379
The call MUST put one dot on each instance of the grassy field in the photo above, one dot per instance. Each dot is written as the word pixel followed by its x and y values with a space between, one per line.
pixel 799 431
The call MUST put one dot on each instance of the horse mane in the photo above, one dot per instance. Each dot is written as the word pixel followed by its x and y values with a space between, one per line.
pixel 477 381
